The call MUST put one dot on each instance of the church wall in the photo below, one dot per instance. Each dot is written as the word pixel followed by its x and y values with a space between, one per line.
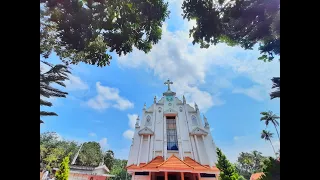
pixel 202 150
pixel 139 177
pixel 144 150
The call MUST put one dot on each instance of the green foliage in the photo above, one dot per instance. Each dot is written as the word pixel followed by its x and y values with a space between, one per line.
pixel 241 22
pixel 90 154
pixel 57 74
pixel 276 86
pixel 53 150
pixel 84 31
pixel 227 170
pixel 249 163
pixel 272 170
pixel 109 159
pixel 118 169
pixel 63 172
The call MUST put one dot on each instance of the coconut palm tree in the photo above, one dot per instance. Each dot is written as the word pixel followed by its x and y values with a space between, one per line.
pixel 267 135
pixel 269 117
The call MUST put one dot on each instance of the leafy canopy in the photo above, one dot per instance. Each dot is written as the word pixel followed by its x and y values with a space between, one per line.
pixel 84 30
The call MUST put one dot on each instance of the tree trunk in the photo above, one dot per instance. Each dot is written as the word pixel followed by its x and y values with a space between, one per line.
pixel 273 148
pixel 277 131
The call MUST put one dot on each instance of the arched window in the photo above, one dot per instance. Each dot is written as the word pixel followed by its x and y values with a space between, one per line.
pixel 148 121
pixel 194 120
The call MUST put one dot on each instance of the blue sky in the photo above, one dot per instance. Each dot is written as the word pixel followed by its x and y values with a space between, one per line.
pixel 229 84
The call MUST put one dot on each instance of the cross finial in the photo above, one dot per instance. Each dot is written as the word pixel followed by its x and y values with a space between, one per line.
pixel 168 82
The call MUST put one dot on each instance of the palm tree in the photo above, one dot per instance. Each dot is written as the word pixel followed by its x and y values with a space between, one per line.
pixel 267 135
pixel 270 117
pixel 57 74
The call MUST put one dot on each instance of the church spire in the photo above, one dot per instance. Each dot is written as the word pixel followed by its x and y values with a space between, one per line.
pixel 206 124
pixel 196 106
pixel 137 122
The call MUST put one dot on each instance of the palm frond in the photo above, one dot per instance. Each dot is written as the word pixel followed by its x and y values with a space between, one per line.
pixel 45 113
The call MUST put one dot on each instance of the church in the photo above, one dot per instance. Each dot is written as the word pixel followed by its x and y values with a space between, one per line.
pixel 172 142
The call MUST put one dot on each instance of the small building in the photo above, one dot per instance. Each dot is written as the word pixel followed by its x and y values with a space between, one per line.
pixel 172 142
pixel 88 172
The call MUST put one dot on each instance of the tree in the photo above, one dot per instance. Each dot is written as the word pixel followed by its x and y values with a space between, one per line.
pixel 272 170
pixel 109 159
pixel 276 86
pixel 84 30
pixel 53 149
pixel 237 22
pixel 56 75
pixel 249 163
pixel 63 172
pixel 90 154
pixel 227 170
pixel 267 135
pixel 269 117
pixel 118 169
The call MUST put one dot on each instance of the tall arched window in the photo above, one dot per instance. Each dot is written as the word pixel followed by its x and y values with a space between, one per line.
pixel 194 120
pixel 172 140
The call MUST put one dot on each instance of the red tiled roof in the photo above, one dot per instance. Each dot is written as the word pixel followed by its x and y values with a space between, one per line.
pixel 173 163
pixel 152 165
pixel 256 176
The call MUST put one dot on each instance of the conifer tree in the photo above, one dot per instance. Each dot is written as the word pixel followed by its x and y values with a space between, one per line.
pixel 63 172
pixel 227 170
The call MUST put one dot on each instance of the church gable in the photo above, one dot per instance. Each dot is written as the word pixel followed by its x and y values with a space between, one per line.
pixel 190 109
pixel 161 101
pixel 170 111
pixel 198 131
pixel 178 101
pixel 145 131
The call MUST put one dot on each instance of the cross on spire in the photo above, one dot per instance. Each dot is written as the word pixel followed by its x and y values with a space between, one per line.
pixel 168 82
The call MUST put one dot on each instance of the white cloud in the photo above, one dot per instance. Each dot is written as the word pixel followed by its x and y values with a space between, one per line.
pixel 108 97
pixel 104 143
pixel 132 120
pixel 92 134
pixel 128 134
pixel 256 92
pixel 75 83
pixel 188 65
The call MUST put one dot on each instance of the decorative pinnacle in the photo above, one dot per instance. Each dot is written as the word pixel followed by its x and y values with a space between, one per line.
pixel 137 122
pixel 155 99
pixel 144 106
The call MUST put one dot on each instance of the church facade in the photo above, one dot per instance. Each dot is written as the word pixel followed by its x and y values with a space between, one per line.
pixel 171 142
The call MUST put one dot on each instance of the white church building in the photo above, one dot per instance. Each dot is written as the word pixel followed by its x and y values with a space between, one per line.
pixel 172 142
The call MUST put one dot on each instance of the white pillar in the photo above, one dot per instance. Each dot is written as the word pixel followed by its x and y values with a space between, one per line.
pixel 197 146
pixel 141 139
pixel 206 151
pixel 148 148
pixel 151 155
pixel 179 138
pixel 165 137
